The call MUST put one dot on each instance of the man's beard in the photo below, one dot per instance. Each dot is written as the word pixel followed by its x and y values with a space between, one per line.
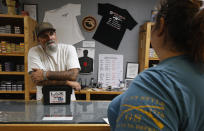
pixel 51 47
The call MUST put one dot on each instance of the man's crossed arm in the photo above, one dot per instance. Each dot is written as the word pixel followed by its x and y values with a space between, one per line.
pixel 56 77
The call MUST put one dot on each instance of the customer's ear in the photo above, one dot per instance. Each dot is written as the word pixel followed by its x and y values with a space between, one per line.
pixel 161 27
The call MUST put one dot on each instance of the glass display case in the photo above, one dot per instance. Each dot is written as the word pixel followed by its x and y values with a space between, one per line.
pixel 33 115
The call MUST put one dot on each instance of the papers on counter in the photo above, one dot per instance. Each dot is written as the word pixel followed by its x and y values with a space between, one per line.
pixel 58 118
pixel 106 120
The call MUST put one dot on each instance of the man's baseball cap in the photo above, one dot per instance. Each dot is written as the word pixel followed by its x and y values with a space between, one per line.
pixel 42 27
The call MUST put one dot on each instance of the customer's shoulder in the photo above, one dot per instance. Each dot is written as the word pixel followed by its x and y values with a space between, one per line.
pixel 152 70
pixel 153 73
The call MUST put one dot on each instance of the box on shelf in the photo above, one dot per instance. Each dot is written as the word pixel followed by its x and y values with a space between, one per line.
pixel 11 85
pixel 7 47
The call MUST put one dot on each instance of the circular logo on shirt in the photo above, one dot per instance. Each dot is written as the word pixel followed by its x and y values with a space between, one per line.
pixel 89 23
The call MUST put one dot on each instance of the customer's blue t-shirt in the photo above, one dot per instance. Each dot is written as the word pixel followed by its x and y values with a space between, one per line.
pixel 168 97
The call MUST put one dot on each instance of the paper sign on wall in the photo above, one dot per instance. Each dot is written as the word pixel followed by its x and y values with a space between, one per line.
pixel 110 70
pixel 89 44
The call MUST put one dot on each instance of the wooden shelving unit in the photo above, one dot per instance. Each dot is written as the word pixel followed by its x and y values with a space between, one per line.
pixel 12 73
pixel 27 36
pixel 11 35
pixel 145 59
pixel 11 16
pixel 12 92
pixel 11 54
pixel 153 58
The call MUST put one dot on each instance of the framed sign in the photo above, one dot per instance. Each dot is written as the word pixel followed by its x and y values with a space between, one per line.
pixel 131 70
pixel 89 23
pixel 32 9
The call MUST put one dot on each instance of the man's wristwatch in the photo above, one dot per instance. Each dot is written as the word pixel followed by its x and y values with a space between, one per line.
pixel 44 75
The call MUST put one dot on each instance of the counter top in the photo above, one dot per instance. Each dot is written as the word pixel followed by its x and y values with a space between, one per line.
pixel 91 112
pixel 28 115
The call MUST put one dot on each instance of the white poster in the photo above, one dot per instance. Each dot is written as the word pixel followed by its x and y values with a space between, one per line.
pixel 110 70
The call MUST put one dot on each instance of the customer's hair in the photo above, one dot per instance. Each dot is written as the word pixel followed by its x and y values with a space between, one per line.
pixel 197 37
pixel 183 21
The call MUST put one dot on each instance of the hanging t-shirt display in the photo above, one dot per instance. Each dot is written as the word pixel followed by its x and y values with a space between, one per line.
pixel 113 25
pixel 65 22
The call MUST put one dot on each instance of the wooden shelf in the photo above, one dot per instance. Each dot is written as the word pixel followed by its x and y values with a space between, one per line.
pixel 11 54
pixel 33 91
pixel 12 73
pixel 12 92
pixel 11 16
pixel 153 58
pixel 11 35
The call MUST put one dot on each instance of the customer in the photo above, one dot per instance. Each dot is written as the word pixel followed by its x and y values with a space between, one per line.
pixel 168 97
pixel 52 63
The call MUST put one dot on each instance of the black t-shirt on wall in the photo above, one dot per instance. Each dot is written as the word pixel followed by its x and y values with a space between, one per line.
pixel 113 25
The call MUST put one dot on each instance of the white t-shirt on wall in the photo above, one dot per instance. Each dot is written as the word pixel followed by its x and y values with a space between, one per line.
pixel 64 59
pixel 65 22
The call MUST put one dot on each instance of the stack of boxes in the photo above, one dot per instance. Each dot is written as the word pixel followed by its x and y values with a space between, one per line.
pixel 3 47
pixel 5 29
pixel 20 68
pixel 6 47
pixel 11 66
pixel 17 30
pixel 8 29
pixel 2 29
pixel 11 85
pixel 20 48
pixel 8 66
